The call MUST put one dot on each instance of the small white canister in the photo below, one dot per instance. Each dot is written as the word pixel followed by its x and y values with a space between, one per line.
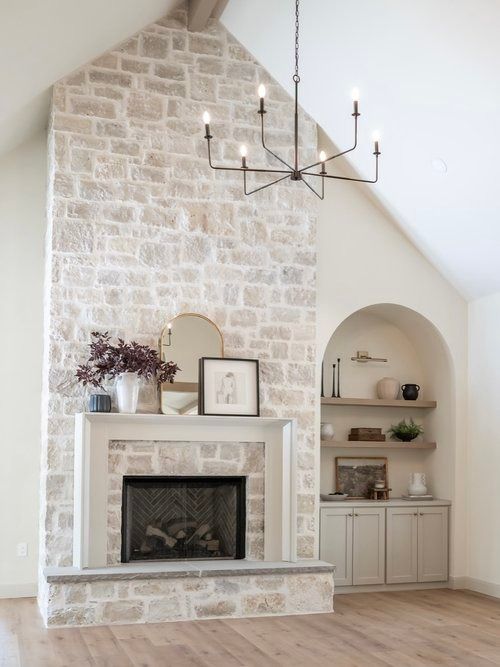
pixel 327 431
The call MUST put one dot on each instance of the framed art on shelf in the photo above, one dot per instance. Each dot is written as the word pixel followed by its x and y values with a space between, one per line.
pixel 356 475
pixel 229 387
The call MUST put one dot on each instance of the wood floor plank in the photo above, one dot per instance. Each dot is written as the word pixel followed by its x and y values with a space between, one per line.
pixel 441 628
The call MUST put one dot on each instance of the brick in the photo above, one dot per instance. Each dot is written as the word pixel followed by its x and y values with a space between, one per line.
pixel 154 46
pixel 144 107
pixel 85 106
pixel 111 78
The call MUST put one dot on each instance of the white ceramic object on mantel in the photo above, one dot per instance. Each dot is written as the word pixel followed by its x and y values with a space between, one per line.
pixel 388 389
pixel 327 431
pixel 417 484
pixel 127 392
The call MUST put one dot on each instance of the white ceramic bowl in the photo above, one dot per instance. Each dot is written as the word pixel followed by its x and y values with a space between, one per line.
pixel 329 497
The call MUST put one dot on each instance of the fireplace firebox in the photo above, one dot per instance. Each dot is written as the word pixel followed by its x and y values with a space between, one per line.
pixel 183 518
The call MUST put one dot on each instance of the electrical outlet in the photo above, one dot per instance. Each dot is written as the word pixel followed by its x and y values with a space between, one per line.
pixel 22 549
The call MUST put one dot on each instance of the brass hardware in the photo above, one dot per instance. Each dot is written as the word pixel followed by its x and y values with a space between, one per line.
pixel 362 356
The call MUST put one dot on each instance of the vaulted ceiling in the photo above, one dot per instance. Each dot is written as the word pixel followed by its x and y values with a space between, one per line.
pixel 427 71
pixel 428 76
pixel 43 41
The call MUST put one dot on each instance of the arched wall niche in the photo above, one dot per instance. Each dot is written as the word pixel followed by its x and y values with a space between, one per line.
pixel 417 352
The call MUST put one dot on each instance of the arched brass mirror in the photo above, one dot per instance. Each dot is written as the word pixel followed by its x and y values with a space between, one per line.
pixel 185 339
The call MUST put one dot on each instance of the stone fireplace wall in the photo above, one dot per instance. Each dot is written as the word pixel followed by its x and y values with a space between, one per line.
pixel 140 228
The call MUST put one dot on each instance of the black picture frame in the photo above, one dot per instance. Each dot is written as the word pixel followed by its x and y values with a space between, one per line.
pixel 202 375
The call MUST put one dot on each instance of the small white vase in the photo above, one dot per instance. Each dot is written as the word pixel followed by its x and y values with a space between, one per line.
pixel 416 486
pixel 127 392
pixel 388 389
pixel 327 431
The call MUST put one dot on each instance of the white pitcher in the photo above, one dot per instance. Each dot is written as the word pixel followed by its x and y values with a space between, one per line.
pixel 417 484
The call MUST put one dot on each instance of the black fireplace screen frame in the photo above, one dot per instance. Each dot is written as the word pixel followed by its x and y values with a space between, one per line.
pixel 146 481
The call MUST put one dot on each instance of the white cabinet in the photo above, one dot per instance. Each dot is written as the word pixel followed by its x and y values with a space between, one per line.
pixel 417 544
pixel 395 544
pixel 353 539
pixel 432 544
pixel 336 542
pixel 402 545
pixel 368 550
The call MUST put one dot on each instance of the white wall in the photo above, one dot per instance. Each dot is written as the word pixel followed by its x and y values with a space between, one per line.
pixel 364 259
pixel 22 225
pixel 484 445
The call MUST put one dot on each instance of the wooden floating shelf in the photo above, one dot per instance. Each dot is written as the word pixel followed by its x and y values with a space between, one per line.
pixel 378 403
pixel 370 444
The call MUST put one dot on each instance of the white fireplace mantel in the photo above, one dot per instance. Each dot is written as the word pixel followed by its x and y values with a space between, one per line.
pixel 93 432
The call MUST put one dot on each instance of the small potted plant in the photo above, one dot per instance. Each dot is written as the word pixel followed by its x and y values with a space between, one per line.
pixel 406 431
pixel 126 361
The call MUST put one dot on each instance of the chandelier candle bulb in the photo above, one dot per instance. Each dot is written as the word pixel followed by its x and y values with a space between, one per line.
pixel 322 157
pixel 206 120
pixel 376 139
pixel 243 153
pixel 262 94
pixel 355 101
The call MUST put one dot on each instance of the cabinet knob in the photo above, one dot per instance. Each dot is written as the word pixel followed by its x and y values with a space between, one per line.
pixel 350 514
pixel 356 514
pixel 415 513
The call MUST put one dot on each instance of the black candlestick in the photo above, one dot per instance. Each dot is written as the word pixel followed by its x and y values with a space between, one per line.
pixel 333 381
pixel 338 377
pixel 322 383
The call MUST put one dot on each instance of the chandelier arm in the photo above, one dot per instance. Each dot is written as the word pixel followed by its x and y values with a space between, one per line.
pixel 349 150
pixel 347 178
pixel 320 196
pixel 259 171
pixel 268 149
pixel 262 187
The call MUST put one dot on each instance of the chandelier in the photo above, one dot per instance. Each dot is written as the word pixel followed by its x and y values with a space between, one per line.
pixel 293 172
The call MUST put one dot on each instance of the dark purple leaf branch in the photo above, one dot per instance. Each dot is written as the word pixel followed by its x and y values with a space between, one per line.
pixel 106 361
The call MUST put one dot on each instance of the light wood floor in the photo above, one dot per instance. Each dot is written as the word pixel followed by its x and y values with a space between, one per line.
pixel 405 629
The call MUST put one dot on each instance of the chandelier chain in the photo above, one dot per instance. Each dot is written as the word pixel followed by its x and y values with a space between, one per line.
pixel 296 76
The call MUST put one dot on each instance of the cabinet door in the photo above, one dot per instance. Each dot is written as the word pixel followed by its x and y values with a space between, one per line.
pixel 432 544
pixel 401 547
pixel 335 544
pixel 368 546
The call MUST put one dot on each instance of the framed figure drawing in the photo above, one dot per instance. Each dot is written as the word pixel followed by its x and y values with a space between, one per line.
pixel 229 387
pixel 356 475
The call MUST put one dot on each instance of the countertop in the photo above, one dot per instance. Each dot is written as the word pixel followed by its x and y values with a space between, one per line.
pixel 393 502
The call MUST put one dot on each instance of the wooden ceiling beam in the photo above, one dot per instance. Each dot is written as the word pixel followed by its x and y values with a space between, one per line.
pixel 199 12
pixel 219 8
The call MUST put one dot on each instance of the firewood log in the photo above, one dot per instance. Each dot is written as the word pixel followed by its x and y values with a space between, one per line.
pixel 199 532
pixel 174 528
pixel 152 531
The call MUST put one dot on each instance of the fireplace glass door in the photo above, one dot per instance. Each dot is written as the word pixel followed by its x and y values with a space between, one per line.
pixel 183 518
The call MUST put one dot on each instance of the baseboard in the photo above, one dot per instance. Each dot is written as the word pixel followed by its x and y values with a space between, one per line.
pixel 19 590
pixel 481 586
pixel 387 588
pixel 458 583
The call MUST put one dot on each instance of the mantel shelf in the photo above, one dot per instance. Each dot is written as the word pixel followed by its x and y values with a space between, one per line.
pixel 378 403
pixel 370 444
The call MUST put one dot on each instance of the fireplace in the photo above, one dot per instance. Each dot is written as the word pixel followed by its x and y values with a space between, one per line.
pixel 182 518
